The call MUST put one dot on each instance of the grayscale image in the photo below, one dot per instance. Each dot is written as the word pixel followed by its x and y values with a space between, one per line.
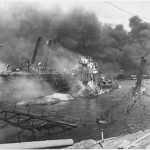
pixel 74 74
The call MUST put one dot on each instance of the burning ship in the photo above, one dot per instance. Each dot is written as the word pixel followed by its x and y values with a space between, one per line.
pixel 89 81
pixel 29 70
pixel 83 80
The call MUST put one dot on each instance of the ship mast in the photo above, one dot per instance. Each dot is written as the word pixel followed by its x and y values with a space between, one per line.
pixel 139 77
pixel 35 50
pixel 83 42
pixel 47 52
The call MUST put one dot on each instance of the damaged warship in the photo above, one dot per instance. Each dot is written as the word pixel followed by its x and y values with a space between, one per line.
pixel 29 70
pixel 83 80
pixel 89 81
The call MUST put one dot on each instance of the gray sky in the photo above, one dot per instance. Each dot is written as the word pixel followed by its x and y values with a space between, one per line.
pixel 105 12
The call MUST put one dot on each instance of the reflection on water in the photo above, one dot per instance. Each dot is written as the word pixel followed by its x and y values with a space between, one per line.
pixel 92 108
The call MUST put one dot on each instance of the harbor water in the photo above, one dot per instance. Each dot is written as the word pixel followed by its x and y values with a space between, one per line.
pixel 89 109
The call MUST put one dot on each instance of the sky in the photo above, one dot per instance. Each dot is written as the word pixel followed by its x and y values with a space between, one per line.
pixel 105 12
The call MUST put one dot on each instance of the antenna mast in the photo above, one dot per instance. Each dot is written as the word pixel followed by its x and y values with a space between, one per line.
pixel 83 41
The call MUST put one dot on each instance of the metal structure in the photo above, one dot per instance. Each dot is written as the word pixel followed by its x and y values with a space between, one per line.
pixel 34 119
pixel 38 144
pixel 47 53
pixel 25 64
pixel 139 77
pixel 35 50
pixel 132 97
pixel 83 42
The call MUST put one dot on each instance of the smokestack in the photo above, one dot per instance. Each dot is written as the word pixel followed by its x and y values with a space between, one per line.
pixel 47 52
pixel 139 77
pixel 35 50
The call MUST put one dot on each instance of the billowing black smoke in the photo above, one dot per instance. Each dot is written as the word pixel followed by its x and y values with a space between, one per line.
pixel 112 48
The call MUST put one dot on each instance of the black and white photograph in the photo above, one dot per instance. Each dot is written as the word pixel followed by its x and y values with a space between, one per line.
pixel 74 74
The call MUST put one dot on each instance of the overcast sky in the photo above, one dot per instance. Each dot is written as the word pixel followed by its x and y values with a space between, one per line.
pixel 105 12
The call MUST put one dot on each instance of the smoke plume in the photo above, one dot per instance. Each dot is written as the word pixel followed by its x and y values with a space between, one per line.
pixel 113 48
pixel 23 89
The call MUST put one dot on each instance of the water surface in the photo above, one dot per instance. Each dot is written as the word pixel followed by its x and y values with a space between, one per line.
pixel 91 108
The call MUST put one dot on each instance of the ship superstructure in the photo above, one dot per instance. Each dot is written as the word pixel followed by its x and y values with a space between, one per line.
pixel 90 81
pixel 28 69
